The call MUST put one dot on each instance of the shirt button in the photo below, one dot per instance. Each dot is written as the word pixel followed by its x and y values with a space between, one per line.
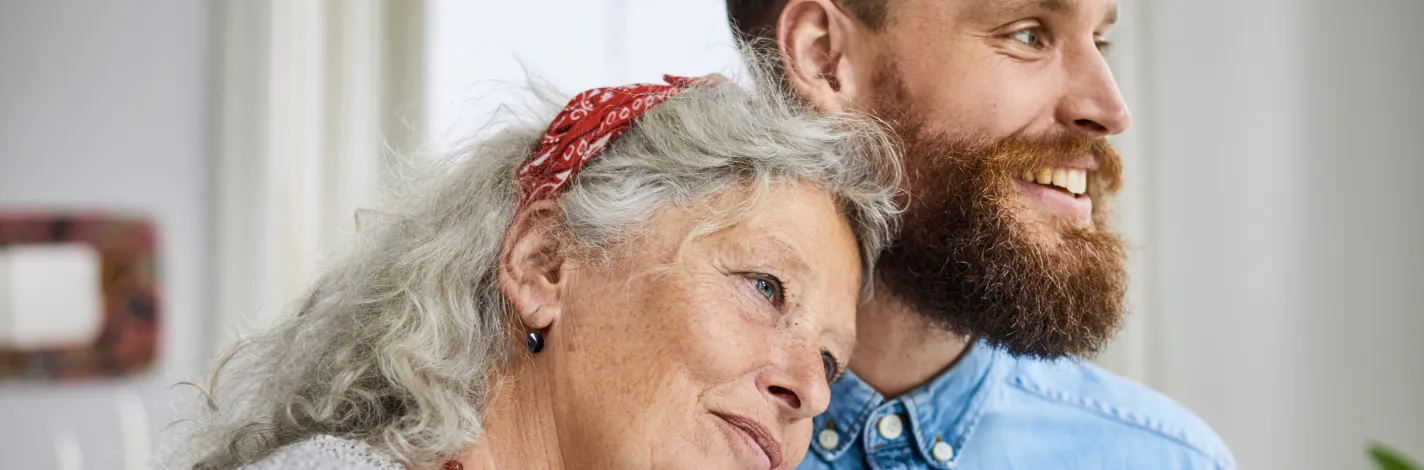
pixel 942 451
pixel 829 439
pixel 890 427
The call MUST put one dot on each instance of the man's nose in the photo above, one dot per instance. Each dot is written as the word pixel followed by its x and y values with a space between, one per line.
pixel 1092 103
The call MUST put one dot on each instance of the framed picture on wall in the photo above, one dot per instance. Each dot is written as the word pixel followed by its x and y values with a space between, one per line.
pixel 79 297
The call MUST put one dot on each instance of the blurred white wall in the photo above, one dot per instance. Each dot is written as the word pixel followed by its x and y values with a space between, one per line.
pixel 1286 154
pixel 481 52
pixel 107 105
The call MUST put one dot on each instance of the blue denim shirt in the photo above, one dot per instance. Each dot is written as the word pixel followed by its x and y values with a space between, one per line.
pixel 996 411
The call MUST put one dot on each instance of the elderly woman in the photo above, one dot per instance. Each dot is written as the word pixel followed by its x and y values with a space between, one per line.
pixel 666 276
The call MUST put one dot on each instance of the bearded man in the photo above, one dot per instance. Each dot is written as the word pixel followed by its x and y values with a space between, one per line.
pixel 1007 272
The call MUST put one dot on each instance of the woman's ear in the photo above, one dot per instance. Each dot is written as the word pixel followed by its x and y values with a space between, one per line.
pixel 822 51
pixel 532 265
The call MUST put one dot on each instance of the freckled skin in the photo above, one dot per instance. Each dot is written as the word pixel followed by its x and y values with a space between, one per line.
pixel 650 345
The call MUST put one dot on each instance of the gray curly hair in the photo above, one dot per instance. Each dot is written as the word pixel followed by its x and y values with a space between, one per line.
pixel 393 344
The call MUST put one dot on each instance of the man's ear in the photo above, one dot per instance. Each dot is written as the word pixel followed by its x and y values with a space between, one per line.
pixel 825 53
pixel 532 265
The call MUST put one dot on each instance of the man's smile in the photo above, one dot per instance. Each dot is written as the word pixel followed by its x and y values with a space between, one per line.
pixel 1059 191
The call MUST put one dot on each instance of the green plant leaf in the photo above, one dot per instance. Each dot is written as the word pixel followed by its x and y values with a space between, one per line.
pixel 1388 459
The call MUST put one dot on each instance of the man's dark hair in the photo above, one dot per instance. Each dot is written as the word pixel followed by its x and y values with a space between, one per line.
pixel 754 20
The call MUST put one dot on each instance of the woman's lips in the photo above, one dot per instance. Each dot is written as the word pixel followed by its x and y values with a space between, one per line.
pixel 756 434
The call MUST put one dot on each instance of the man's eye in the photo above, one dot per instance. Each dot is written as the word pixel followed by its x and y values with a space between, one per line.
pixel 770 288
pixel 1028 36
pixel 832 367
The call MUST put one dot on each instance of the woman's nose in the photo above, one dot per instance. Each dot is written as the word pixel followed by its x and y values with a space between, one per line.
pixel 798 386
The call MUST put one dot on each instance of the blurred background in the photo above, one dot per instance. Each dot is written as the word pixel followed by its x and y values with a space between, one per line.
pixel 1273 201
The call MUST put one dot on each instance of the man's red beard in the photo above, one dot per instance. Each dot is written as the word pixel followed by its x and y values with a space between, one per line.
pixel 967 260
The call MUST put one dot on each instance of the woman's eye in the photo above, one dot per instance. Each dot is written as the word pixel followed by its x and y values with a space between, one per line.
pixel 1028 36
pixel 770 288
pixel 832 367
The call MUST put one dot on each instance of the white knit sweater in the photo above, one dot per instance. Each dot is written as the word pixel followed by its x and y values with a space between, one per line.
pixel 326 453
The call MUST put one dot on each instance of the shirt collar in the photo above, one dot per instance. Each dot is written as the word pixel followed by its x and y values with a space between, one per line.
pixel 947 408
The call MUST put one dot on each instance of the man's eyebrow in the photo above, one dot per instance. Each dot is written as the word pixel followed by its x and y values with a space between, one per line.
pixel 1056 6
pixel 1019 7
pixel 1015 8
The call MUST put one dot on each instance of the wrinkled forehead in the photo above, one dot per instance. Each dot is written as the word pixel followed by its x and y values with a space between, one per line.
pixel 799 227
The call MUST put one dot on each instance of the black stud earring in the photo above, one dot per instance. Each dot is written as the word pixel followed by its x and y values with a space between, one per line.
pixel 534 342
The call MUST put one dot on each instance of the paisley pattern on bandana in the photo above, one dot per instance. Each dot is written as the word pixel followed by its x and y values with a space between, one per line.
pixel 584 128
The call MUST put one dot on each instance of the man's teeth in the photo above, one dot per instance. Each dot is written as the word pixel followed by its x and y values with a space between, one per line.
pixel 1073 180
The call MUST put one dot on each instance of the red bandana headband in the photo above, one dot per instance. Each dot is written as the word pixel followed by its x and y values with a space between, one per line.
pixel 584 128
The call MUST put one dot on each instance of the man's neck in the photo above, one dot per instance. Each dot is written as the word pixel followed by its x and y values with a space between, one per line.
pixel 897 349
pixel 517 427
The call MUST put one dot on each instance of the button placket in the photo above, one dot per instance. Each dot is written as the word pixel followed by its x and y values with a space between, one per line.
pixel 887 439
pixel 898 457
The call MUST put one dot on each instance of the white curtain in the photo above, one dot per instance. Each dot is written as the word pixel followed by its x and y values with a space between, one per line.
pixel 315 95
